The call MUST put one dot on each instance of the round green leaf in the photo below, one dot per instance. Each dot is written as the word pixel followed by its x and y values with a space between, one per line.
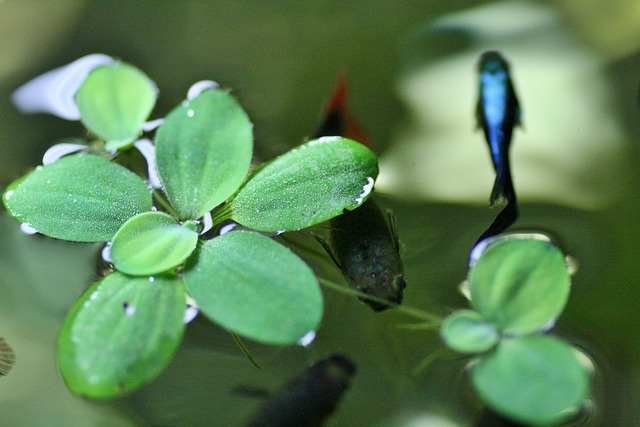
pixel 534 379
pixel 467 332
pixel 307 185
pixel 82 198
pixel 114 101
pixel 254 287
pixel 203 152
pixel 520 285
pixel 151 243
pixel 121 334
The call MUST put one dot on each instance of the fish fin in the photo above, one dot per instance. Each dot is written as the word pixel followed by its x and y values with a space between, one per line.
pixel 393 225
pixel 503 190
pixel 518 121
pixel 498 193
pixel 327 248
pixel 337 116
pixel 479 123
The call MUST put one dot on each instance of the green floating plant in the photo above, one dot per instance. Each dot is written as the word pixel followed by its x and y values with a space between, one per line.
pixel 466 331
pixel 203 152
pixel 518 287
pixel 121 334
pixel 151 243
pixel 283 194
pixel 78 198
pixel 114 102
pixel 537 379
pixel 125 329
pixel 275 301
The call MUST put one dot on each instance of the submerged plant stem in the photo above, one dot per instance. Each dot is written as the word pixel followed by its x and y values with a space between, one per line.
pixel 409 311
pixel 159 197
pixel 244 349
pixel 431 357
pixel 220 214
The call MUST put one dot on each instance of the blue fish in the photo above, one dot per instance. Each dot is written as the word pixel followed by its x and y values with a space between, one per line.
pixel 498 112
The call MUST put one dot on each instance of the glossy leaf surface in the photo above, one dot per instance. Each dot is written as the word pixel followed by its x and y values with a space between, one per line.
pixel 520 285
pixel 203 152
pixel 79 198
pixel 535 379
pixel 151 243
pixel 307 185
pixel 255 287
pixel 114 101
pixel 121 334
pixel 467 332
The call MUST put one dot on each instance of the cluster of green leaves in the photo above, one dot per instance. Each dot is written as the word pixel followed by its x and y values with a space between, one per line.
pixel 126 328
pixel 518 287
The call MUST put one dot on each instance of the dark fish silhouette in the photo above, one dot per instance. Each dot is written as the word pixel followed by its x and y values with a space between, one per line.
pixel 308 400
pixel 498 112
pixel 363 243
pixel 7 357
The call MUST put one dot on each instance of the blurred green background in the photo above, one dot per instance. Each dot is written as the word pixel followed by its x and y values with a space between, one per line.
pixel 411 66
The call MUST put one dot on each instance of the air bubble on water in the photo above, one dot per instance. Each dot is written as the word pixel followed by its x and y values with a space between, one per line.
pixel 199 87
pixel 464 289
pixel 573 265
pixel 151 125
pixel 129 309
pixel 479 249
pixel 548 326
pixel 587 363
pixel 26 228
pixel 227 228
pixel 190 313
pixel 365 190
pixel 207 223
pixel 57 151
pixel 106 252
pixel 307 339
pixel 148 150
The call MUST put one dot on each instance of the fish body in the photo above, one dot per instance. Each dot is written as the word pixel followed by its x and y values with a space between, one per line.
pixel 498 113
pixel 309 399
pixel 365 247
pixel 363 242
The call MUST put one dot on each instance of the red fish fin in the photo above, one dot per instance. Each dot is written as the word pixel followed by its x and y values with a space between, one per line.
pixel 338 105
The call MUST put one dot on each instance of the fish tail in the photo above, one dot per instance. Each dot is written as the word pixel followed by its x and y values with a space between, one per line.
pixel 502 189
